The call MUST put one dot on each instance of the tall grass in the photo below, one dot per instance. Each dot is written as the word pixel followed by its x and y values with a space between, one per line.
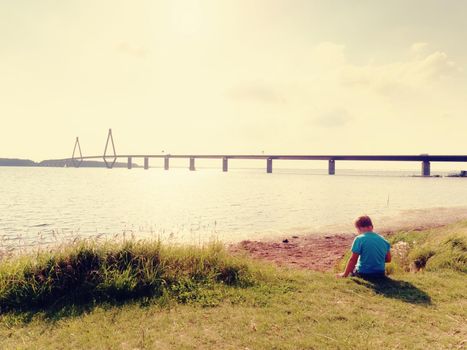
pixel 107 271
pixel 434 250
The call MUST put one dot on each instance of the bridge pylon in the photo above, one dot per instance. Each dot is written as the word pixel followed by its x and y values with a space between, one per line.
pixel 110 139
pixel 74 161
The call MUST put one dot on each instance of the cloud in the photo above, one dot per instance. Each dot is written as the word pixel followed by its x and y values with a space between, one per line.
pixel 413 73
pixel 419 48
pixel 256 92
pixel 132 50
pixel 333 119
pixel 329 54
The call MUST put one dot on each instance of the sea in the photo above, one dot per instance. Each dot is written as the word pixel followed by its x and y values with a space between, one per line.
pixel 40 206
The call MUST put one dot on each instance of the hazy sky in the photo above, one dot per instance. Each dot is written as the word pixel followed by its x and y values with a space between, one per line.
pixel 241 76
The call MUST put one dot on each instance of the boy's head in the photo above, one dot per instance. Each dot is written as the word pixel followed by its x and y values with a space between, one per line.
pixel 363 224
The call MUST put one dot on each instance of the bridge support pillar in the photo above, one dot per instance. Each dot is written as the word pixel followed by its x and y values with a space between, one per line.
pixel 225 164
pixel 146 163
pixel 130 162
pixel 426 168
pixel 332 167
pixel 192 164
pixel 166 163
pixel 269 166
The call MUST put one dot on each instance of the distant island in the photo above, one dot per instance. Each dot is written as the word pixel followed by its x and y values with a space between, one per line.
pixel 59 163
pixel 16 162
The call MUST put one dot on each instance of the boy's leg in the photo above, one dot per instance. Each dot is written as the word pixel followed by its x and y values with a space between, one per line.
pixel 372 277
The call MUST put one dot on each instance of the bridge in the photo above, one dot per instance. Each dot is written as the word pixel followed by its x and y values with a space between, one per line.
pixel 110 158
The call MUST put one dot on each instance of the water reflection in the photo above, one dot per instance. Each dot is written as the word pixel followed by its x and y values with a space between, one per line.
pixel 41 204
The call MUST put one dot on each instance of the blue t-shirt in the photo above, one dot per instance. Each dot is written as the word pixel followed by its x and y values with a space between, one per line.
pixel 372 250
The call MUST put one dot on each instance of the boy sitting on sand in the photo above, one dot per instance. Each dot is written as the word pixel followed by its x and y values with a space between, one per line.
pixel 370 252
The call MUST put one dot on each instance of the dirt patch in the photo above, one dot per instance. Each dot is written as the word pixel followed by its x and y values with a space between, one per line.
pixel 318 253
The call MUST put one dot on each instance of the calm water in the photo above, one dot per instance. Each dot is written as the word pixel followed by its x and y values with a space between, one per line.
pixel 41 204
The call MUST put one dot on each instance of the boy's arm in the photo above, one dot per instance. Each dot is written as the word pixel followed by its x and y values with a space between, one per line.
pixel 388 257
pixel 350 265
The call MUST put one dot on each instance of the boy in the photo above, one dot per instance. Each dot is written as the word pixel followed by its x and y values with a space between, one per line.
pixel 370 252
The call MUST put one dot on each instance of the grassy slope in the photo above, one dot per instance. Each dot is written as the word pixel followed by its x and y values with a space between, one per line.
pixel 286 309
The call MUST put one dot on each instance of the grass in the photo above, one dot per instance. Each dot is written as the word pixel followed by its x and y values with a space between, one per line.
pixel 109 272
pixel 212 300
pixel 435 249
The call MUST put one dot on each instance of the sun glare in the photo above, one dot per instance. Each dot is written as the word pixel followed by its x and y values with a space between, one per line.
pixel 186 17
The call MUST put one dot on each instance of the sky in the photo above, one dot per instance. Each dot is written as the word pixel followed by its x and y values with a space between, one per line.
pixel 233 76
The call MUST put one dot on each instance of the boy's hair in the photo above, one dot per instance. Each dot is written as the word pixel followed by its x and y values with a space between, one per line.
pixel 363 221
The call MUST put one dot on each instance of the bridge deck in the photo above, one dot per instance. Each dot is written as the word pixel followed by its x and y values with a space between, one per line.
pixel 110 159
pixel 425 159
pixel 414 158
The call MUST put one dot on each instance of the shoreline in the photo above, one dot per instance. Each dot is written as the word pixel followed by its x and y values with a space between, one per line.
pixel 316 249
pixel 322 251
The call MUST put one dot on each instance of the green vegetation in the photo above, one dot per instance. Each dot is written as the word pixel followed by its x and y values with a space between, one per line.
pixel 211 300
pixel 88 272
pixel 435 249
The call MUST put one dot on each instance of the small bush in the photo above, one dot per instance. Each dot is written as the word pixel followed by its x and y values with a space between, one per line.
pixel 112 272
